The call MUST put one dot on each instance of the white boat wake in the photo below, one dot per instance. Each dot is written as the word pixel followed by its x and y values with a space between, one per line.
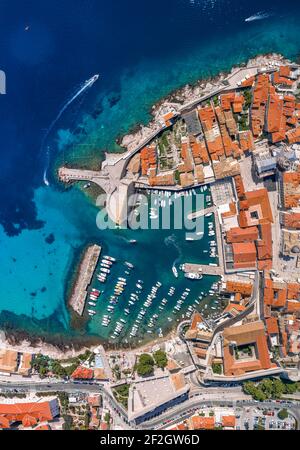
pixel 86 85
pixel 258 16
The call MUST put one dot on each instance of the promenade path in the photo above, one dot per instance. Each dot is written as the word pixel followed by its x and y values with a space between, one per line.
pixel 201 213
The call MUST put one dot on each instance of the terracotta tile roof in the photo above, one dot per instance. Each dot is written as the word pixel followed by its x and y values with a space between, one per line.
pixel 250 333
pixel 228 421
pixel 29 421
pixel 260 98
pixel 200 352
pixel 199 152
pixel 293 306
pixel 179 427
pixel 178 381
pixel 25 364
pixel 246 140
pixel 244 254
pixel 272 325
pixel 232 211
pixel 255 209
pixel 82 373
pixel 235 235
pixel 100 374
pixel 248 82
pixel 276 121
pixel 292 221
pixel 236 286
pixel 28 413
pixel 4 422
pixel 197 318
pixel 167 118
pixel 148 159
pixel 8 361
pixel 202 423
pixel 284 71
pixel 275 294
pixel 293 136
pixel 264 245
pixel 239 185
pixel 291 187
pixel 234 308
pixel 163 180
pixel 211 132
pixel 293 291
pixel 187 179
pixel 278 79
pixel 227 99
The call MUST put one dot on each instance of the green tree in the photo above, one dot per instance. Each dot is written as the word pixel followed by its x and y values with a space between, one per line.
pixel 145 365
pixel 160 358
pixel 107 418
pixel 278 388
pixel 267 387
pixel 68 422
pixel 290 388
pixel 217 368
pixel 249 387
pixel 283 414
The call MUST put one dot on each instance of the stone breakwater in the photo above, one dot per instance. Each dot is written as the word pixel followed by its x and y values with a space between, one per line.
pixel 84 277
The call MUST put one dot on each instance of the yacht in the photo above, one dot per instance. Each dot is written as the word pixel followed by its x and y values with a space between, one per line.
pixel 110 258
pixel 193 276
pixel 175 271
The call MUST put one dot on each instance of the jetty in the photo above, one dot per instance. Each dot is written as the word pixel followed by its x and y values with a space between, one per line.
pixel 85 274
pixel 201 213
pixel 203 268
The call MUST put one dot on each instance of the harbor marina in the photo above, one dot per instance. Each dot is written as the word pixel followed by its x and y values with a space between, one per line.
pixel 139 300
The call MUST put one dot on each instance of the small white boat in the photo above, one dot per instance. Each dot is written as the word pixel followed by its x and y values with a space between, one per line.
pixel 175 271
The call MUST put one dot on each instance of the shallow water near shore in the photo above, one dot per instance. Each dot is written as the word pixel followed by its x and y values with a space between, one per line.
pixel 44 228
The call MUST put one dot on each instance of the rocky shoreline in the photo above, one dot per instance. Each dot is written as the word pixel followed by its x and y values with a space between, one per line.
pixel 187 94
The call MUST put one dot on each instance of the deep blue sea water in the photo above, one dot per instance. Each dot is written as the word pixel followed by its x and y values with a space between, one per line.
pixel 142 51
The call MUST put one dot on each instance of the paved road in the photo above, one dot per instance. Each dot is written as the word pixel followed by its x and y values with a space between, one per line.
pixel 180 412
pixel 184 410
pixel 66 387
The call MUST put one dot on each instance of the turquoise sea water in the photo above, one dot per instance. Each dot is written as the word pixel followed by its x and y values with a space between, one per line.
pixel 47 227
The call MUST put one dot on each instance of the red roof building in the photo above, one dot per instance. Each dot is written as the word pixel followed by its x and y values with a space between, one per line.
pixel 228 421
pixel 244 255
pixel 236 235
pixel 252 333
pixel 27 413
pixel 82 373
pixel 202 423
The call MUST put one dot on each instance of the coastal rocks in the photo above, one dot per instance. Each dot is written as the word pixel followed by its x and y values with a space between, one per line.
pixel 189 94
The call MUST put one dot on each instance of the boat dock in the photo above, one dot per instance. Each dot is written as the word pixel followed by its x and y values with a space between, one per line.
pixel 203 268
pixel 201 213
pixel 86 271
pixel 206 269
